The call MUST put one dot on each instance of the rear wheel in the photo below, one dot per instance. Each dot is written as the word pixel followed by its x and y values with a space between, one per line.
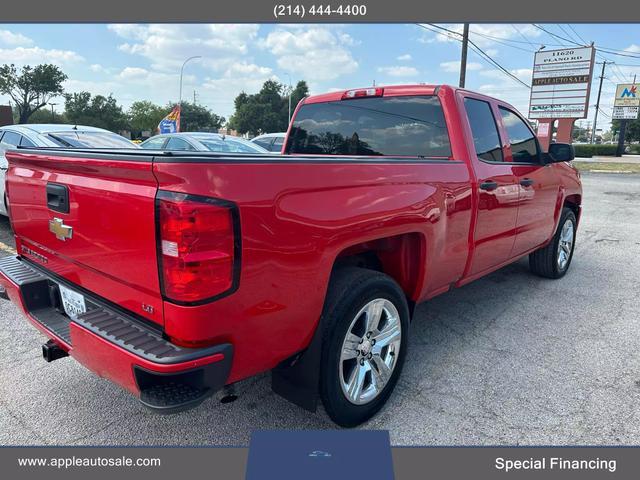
pixel 364 344
pixel 554 260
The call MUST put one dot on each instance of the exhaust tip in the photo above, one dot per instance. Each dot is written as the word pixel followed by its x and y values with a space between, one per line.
pixel 51 351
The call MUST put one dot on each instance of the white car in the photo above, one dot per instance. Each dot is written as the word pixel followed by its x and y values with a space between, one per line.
pixel 56 136
pixel 201 142
pixel 271 141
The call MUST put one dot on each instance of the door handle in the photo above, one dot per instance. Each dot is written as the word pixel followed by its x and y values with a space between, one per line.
pixel 527 182
pixel 488 186
pixel 58 197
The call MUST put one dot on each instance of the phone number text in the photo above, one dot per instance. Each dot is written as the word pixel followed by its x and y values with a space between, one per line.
pixel 353 10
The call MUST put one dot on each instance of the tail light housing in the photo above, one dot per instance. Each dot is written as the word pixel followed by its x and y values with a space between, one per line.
pixel 198 247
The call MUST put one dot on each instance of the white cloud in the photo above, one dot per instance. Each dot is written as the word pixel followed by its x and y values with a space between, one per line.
pixel 454 66
pixel 167 46
pixel 36 55
pixel 399 71
pixel 133 73
pixel 523 74
pixel 219 92
pixel 404 58
pixel 14 39
pixel 633 48
pixel 317 54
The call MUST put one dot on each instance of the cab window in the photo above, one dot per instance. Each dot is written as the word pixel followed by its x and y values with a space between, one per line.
pixel 484 130
pixel 524 147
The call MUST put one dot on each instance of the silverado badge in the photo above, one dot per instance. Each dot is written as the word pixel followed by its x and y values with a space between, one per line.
pixel 60 230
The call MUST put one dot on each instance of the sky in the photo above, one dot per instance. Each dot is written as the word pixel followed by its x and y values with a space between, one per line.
pixel 142 61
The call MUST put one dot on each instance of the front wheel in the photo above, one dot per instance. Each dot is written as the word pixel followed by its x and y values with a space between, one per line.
pixel 366 332
pixel 553 260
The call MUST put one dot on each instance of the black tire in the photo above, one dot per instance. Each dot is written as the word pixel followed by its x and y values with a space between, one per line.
pixel 544 262
pixel 350 289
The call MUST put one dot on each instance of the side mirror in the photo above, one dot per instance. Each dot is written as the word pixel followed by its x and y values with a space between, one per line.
pixel 560 152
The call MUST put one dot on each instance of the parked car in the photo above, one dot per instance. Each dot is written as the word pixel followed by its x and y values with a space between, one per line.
pixel 176 275
pixel 53 135
pixel 271 141
pixel 201 142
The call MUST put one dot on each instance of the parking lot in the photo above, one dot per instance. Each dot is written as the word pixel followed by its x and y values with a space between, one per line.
pixel 509 359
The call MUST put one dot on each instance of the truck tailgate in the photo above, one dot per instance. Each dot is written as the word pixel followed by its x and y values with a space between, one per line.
pixel 89 218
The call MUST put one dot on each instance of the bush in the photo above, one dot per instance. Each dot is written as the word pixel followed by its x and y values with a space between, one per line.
pixel 588 151
pixel 634 149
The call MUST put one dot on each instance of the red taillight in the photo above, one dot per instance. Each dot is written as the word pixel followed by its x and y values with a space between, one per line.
pixel 363 92
pixel 197 247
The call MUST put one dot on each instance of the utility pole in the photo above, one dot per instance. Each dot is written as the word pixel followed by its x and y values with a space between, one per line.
pixel 290 90
pixel 53 115
pixel 194 97
pixel 595 119
pixel 463 58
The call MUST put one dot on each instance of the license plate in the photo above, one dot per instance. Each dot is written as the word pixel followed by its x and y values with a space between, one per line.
pixel 72 302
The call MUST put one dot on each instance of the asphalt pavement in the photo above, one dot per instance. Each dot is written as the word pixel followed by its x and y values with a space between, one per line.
pixel 509 359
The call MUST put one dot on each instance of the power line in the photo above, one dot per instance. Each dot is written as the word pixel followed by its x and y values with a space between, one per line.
pixel 479 51
pixel 502 41
pixel 559 37
pixel 577 34
pixel 566 33
pixel 522 35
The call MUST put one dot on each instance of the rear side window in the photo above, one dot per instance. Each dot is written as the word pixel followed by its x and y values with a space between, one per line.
pixel 155 143
pixel 175 143
pixel 264 142
pixel 524 147
pixel 25 142
pixel 277 144
pixel 484 130
pixel 411 126
pixel 11 138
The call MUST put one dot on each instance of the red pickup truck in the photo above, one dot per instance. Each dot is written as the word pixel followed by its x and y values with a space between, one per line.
pixel 176 273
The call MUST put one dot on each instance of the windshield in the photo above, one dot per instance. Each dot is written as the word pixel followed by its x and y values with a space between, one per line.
pixel 80 139
pixel 396 126
pixel 230 145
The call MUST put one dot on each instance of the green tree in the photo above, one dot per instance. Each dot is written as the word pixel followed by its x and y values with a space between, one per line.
pixel 266 111
pixel 145 115
pixel 98 111
pixel 32 87
pixel 44 116
pixel 197 118
pixel 579 134
pixel 632 132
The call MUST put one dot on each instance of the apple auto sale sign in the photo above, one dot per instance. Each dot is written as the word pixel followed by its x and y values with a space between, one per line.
pixel 561 83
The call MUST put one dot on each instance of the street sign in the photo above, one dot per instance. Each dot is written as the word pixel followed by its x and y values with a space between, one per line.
pixel 627 95
pixel 561 83
pixel 625 113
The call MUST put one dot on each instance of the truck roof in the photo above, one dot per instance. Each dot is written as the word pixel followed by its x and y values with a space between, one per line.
pixel 389 90
pixel 398 90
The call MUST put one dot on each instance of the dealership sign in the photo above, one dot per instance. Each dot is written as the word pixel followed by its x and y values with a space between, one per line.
pixel 627 95
pixel 625 113
pixel 627 102
pixel 561 83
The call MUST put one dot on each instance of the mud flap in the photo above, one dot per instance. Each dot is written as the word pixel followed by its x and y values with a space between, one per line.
pixel 297 379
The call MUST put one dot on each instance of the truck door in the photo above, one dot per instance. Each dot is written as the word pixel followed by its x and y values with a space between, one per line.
pixel 497 188
pixel 537 183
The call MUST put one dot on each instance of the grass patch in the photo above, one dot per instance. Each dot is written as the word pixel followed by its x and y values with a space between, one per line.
pixel 607 166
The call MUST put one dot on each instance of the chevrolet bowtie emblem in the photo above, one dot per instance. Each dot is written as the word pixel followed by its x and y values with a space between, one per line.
pixel 60 230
